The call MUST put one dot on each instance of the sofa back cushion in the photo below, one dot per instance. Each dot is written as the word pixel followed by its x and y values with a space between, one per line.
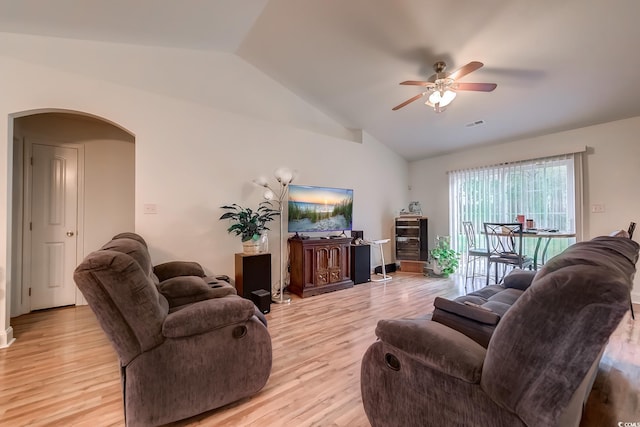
pixel 545 344
pixel 614 253
pixel 117 285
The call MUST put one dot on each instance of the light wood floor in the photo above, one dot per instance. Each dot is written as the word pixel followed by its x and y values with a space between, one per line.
pixel 62 371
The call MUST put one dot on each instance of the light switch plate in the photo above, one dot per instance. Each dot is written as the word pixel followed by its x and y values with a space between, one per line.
pixel 150 208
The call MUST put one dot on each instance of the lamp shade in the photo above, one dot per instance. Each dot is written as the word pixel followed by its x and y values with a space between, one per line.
pixel 261 181
pixel 283 175
pixel 268 195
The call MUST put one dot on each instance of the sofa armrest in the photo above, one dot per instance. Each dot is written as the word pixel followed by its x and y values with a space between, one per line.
pixel 208 315
pixel 183 290
pixel 472 312
pixel 436 346
pixel 519 279
pixel 171 269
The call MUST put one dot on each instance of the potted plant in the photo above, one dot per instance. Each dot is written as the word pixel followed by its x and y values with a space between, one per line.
pixel 443 259
pixel 249 224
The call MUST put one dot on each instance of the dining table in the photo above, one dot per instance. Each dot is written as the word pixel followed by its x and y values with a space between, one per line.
pixel 547 236
pixel 541 235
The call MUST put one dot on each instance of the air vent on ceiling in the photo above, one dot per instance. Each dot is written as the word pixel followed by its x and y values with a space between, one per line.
pixel 476 123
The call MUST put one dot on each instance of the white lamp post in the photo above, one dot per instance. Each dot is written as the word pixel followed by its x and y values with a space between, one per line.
pixel 284 177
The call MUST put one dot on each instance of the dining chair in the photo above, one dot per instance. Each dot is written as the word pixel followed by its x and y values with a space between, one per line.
pixel 504 244
pixel 474 253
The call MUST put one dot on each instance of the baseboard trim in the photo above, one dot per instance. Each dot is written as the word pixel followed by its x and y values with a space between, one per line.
pixel 6 337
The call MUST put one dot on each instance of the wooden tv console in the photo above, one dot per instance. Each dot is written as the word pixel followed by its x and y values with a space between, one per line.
pixel 319 265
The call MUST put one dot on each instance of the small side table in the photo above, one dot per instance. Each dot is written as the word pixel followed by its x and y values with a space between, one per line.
pixel 384 277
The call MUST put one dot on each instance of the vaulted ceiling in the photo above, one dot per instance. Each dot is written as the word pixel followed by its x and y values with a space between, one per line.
pixel 558 65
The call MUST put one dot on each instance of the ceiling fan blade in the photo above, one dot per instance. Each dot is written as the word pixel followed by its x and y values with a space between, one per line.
pixel 409 101
pixel 465 69
pixel 480 87
pixel 418 83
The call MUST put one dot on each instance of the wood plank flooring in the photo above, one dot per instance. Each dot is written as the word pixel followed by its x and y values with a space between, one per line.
pixel 62 370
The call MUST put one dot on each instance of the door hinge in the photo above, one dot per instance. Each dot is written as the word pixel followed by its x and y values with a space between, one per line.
pixel 31 161
pixel 30 226
pixel 29 291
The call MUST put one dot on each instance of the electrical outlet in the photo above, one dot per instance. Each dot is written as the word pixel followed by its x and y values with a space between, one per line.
pixel 150 208
pixel 597 208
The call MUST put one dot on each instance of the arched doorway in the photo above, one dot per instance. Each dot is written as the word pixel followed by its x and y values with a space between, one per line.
pixel 102 180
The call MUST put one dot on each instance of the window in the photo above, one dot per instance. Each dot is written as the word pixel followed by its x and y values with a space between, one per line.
pixel 546 190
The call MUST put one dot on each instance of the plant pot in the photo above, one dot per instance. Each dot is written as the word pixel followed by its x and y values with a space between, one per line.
pixel 251 247
pixel 435 270
pixel 430 273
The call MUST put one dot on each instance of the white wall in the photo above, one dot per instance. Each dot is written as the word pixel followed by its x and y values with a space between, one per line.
pixel 205 125
pixel 109 185
pixel 611 175
pixel 107 188
pixel 109 170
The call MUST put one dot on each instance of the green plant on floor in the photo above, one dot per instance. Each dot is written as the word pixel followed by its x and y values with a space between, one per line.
pixel 444 260
pixel 247 223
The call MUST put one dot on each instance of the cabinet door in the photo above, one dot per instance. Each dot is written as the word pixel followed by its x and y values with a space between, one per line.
pixel 322 258
pixel 407 249
pixel 335 263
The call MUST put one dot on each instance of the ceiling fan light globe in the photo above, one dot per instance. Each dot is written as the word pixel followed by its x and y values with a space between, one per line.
pixel 435 97
pixel 446 99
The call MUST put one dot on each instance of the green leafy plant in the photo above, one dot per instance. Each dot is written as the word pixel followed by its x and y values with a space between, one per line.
pixel 248 223
pixel 443 257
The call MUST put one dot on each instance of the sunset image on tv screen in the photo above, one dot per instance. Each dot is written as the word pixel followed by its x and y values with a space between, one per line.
pixel 314 209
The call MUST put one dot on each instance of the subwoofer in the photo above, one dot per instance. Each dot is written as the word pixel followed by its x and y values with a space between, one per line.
pixel 262 300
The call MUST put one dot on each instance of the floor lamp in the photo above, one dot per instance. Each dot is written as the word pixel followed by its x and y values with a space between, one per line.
pixel 284 177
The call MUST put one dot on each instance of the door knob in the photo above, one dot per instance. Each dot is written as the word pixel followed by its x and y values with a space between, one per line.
pixel 70 233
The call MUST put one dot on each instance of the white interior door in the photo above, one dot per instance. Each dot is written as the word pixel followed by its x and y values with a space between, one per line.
pixel 54 218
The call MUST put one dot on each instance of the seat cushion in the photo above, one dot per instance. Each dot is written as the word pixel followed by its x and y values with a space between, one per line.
pixel 469 310
pixel 487 292
pixel 477 313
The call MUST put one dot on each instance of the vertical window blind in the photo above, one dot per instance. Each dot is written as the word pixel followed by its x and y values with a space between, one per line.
pixel 546 190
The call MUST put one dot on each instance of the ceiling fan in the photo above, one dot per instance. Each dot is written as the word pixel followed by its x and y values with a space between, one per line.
pixel 442 86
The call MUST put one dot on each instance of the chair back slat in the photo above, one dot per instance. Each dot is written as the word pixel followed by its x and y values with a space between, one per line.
pixel 504 238
pixel 470 234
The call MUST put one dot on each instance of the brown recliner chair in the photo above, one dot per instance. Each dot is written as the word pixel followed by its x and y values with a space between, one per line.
pixel 541 359
pixel 194 350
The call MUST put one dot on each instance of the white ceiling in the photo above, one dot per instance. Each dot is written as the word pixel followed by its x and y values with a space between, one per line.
pixel 558 65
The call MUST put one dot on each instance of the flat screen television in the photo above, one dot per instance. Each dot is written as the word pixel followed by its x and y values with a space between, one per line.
pixel 319 209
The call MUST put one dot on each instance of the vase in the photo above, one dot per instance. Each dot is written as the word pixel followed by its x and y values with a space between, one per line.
pixel 251 247
pixel 264 243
